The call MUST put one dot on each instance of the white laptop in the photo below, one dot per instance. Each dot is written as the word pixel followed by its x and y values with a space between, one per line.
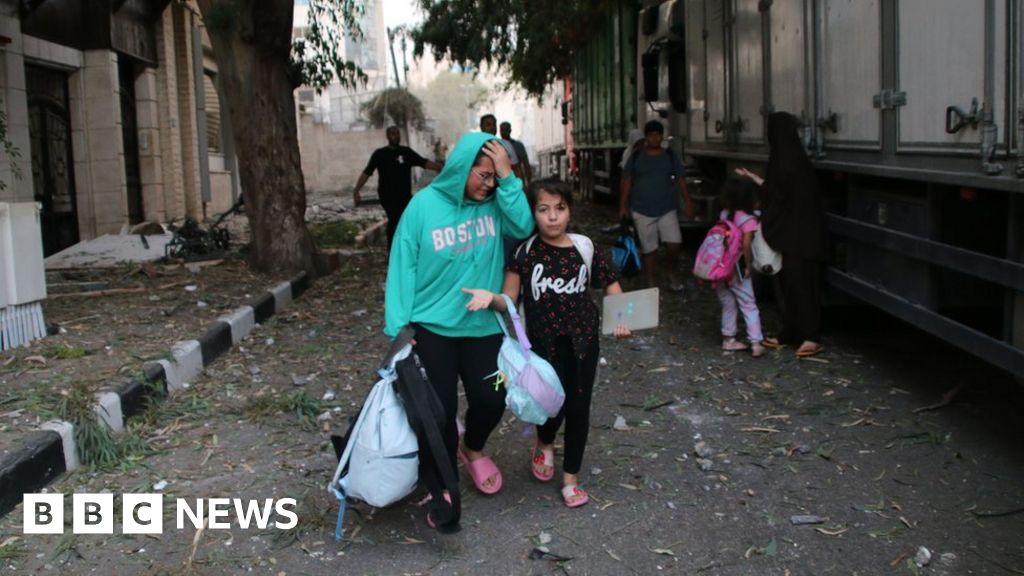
pixel 637 310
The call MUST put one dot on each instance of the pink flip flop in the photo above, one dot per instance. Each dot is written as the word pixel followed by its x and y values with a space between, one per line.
pixel 542 457
pixel 573 496
pixel 480 470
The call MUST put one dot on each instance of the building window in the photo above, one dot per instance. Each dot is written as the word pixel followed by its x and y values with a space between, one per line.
pixel 213 135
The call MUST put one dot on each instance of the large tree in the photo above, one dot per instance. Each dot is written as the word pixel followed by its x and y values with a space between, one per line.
pixel 252 44
pixel 533 40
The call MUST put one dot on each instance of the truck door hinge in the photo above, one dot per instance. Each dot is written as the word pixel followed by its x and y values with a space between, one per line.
pixel 889 99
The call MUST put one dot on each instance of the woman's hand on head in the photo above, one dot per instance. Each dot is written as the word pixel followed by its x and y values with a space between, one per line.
pixel 496 152
pixel 479 299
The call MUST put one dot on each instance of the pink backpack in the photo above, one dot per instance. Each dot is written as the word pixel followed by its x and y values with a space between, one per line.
pixel 718 254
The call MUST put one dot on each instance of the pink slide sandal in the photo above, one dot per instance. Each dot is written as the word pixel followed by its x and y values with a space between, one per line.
pixel 574 496
pixel 480 470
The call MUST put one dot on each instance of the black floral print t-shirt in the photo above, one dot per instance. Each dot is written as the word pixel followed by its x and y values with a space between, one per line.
pixel 554 284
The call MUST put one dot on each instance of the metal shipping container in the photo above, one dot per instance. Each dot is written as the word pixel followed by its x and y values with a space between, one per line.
pixel 604 98
pixel 912 110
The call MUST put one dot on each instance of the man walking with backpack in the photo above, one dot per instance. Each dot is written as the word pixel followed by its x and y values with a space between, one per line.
pixel 651 180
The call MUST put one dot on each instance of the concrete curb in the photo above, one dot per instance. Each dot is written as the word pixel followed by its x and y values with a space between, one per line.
pixel 48 453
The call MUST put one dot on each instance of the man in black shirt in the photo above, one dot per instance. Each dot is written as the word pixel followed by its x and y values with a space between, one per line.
pixel 393 164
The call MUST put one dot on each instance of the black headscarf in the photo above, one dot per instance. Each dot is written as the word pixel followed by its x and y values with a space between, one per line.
pixel 793 219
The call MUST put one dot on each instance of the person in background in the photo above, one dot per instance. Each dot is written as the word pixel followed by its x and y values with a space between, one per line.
pixel 393 164
pixel 651 181
pixel 793 223
pixel 739 197
pixel 489 124
pixel 524 158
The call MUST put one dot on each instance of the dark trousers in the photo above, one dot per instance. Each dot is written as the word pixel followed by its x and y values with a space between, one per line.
pixel 577 375
pixel 474 360
pixel 394 214
pixel 800 283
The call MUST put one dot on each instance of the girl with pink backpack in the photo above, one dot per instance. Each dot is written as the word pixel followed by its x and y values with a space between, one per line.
pixel 730 272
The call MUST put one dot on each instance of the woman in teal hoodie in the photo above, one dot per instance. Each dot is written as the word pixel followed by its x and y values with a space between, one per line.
pixel 450 236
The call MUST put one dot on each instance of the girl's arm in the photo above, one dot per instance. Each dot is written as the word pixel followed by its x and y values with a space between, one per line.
pixel 747 173
pixel 482 299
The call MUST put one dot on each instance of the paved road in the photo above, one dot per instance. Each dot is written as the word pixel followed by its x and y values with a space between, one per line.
pixel 835 438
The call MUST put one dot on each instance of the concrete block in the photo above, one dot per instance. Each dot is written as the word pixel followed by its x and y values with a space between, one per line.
pixel 30 47
pixel 108 175
pixel 145 86
pixel 16 102
pixel 188 362
pixel 15 68
pixel 66 56
pixel 103 113
pixel 174 382
pixel 67 438
pixel 10 27
pixel 100 81
pixel 282 296
pixel 108 409
pixel 241 321
pixel 99 58
pixel 146 115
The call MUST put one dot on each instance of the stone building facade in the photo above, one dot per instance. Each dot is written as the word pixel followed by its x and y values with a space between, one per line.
pixel 114 109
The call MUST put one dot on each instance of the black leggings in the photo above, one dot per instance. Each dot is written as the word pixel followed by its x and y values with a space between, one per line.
pixel 475 360
pixel 577 376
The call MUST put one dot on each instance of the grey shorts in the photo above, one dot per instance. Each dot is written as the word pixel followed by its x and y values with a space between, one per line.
pixel 650 230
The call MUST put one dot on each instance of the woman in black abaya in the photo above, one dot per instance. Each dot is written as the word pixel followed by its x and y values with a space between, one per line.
pixel 793 223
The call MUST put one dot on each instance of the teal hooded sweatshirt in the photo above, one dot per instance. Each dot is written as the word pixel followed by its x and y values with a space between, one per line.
pixel 445 242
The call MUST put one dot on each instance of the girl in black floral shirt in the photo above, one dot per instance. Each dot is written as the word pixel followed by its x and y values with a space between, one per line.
pixel 563 323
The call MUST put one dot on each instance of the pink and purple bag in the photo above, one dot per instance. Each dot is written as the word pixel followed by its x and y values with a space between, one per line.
pixel 720 251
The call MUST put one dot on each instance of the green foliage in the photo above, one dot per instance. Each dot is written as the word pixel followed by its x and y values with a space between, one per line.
pixel 304 407
pixel 97 446
pixel 534 41
pixel 394 106
pixel 66 352
pixel 11 549
pixel 334 234
pixel 316 59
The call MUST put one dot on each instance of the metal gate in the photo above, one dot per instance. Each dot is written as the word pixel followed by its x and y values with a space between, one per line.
pixel 52 176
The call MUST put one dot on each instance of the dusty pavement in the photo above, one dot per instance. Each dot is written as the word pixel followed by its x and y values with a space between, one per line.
pixel 836 438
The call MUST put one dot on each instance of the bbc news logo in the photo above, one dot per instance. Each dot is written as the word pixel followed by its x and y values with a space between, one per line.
pixel 144 513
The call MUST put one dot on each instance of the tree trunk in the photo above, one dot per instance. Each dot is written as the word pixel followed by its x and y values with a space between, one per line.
pixel 252 45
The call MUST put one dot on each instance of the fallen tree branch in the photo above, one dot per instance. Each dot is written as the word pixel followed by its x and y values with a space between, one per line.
pixel 95 293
